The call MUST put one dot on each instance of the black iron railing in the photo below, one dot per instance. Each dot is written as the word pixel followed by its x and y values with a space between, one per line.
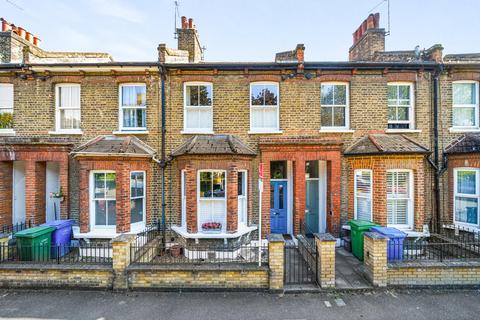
pixel 57 254
pixel 16 227
pixel 198 254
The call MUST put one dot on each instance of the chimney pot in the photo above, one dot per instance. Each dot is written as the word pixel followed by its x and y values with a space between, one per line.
pixel 370 22
pixel 190 23
pixel 184 22
pixel 28 36
pixel 21 32
pixel 376 20
pixel 5 25
pixel 36 41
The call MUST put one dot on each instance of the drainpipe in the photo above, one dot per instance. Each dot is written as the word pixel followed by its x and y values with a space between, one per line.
pixel 436 148
pixel 163 161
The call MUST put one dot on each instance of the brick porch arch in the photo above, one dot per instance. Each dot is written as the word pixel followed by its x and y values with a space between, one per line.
pixel 299 150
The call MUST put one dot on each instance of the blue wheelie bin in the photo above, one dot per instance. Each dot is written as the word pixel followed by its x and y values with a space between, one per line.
pixel 395 242
pixel 61 236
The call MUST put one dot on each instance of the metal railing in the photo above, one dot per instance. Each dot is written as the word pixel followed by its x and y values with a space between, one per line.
pixel 56 254
pixel 16 227
pixel 198 254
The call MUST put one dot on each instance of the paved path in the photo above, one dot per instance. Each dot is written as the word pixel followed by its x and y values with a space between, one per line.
pixel 383 305
pixel 349 271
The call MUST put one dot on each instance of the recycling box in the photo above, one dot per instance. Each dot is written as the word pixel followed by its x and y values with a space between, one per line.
pixel 357 229
pixel 34 244
pixel 395 242
pixel 61 236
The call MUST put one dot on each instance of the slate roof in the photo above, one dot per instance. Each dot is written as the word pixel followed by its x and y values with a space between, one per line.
pixel 379 144
pixel 35 140
pixel 213 144
pixel 467 143
pixel 115 146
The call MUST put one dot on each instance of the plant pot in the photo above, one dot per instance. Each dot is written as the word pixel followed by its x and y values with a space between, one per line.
pixel 211 230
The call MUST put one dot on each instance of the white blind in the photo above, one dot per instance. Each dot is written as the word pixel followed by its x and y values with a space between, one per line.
pixel 398 197
pixel 363 194
pixel 6 96
pixel 69 96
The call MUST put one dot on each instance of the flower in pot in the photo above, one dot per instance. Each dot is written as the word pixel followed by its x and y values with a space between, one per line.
pixel 212 226
pixel 57 195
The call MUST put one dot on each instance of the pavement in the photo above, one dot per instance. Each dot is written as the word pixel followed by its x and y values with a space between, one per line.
pixel 371 304
pixel 349 271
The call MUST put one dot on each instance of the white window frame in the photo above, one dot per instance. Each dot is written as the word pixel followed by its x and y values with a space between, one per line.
pixel 476 105
pixel 121 107
pixel 411 107
pixel 58 119
pixel 411 198
pixel 359 196
pixel 463 195
pixel 141 224
pixel 92 199
pixel 224 199
pixel 245 196
pixel 347 106
pixel 207 129
pixel 277 107
pixel 183 180
pixel 8 130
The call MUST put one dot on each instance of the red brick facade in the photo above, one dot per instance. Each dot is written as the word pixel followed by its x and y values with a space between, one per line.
pixel 300 150
pixel 35 157
pixel 122 168
pixel 231 164
pixel 379 166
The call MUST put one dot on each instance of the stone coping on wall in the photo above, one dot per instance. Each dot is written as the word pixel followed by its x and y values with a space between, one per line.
pixel 434 264
pixel 65 267
pixel 203 267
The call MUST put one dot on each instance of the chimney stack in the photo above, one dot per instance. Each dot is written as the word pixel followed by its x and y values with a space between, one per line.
pixel 367 39
pixel 189 40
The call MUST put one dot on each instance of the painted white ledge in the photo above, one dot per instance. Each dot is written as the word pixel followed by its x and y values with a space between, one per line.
pixel 196 132
pixel 7 132
pixel 130 132
pixel 101 233
pixel 327 130
pixel 462 130
pixel 265 132
pixel 241 231
pixel 64 132
pixel 403 131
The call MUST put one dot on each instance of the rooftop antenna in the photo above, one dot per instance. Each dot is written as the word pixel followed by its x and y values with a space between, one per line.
pixel 13 3
pixel 175 16
pixel 387 33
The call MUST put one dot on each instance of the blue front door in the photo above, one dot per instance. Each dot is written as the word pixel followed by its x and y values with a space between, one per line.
pixel 278 207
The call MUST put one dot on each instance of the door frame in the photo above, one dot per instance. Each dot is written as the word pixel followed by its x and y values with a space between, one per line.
pixel 322 195
pixel 13 192
pixel 286 199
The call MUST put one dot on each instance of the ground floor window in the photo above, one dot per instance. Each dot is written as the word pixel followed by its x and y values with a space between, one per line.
pixel 212 201
pixel 137 197
pixel 103 198
pixel 466 195
pixel 399 198
pixel 363 195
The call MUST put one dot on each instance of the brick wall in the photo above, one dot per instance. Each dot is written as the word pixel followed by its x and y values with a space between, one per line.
pixel 6 170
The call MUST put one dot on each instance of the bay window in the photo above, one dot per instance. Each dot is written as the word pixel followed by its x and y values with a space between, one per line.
pixel 363 195
pixel 137 197
pixel 6 107
pixel 212 204
pixel 264 107
pixel 465 104
pixel 400 198
pixel 67 107
pixel 466 196
pixel 334 106
pixel 133 107
pixel 400 106
pixel 198 107
pixel 103 199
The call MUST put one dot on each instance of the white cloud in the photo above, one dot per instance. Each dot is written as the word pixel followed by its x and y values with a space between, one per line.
pixel 117 9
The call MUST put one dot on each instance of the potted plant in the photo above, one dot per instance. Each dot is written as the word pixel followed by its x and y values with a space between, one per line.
pixel 58 195
pixel 212 227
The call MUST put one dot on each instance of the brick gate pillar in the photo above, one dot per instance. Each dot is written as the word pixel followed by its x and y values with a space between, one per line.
pixel 325 243
pixel 375 255
pixel 276 256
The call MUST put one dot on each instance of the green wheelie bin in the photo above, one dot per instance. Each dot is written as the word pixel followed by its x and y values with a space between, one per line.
pixel 357 229
pixel 34 244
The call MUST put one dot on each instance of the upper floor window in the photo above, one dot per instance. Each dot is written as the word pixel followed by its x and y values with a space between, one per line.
pixel 198 110
pixel 334 103
pixel 466 197
pixel 6 106
pixel 133 107
pixel 400 106
pixel 363 195
pixel 465 104
pixel 400 198
pixel 264 107
pixel 67 107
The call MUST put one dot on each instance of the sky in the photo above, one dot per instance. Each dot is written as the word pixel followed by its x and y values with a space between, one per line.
pixel 243 30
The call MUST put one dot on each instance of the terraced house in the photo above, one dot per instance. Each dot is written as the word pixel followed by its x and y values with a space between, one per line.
pixel 385 136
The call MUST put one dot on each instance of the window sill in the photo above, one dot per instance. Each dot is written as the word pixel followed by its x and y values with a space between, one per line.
pixel 461 130
pixel 130 132
pixel 265 132
pixel 7 132
pixel 196 132
pixel 241 231
pixel 403 131
pixel 328 130
pixel 64 132
pixel 102 233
